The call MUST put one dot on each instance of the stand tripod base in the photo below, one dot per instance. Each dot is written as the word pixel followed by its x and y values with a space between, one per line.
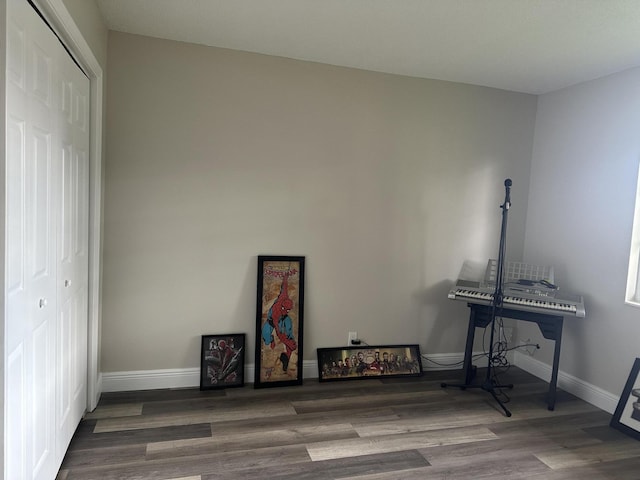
pixel 487 386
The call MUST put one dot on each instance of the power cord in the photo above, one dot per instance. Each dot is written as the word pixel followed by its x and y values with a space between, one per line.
pixel 499 359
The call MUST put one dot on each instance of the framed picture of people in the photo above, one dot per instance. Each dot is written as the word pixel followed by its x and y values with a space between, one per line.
pixel 279 321
pixel 359 362
pixel 222 361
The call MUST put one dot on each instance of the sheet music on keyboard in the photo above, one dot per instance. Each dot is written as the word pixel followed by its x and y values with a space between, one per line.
pixel 537 293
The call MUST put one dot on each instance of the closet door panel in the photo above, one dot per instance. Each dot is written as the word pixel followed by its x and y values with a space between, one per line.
pixel 16 295
pixel 64 367
pixel 73 259
pixel 40 261
pixel 66 215
pixel 41 431
pixel 32 183
pixel 16 418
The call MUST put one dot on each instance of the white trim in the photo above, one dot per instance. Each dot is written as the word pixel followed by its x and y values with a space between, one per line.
pixel 61 21
pixel 3 216
pixel 442 361
pixel 99 384
pixel 589 393
pixel 177 378
pixel 190 377
pixel 453 361
pixel 309 369
pixel 150 379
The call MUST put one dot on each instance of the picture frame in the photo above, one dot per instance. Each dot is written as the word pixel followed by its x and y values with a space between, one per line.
pixel 279 321
pixel 222 361
pixel 627 415
pixel 369 361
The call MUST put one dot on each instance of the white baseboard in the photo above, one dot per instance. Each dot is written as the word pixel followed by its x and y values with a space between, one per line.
pixel 176 378
pixel 190 377
pixel 150 379
pixel 581 389
pixel 442 361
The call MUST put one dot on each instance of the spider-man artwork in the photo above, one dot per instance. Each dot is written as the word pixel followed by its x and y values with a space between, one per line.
pixel 280 322
pixel 222 361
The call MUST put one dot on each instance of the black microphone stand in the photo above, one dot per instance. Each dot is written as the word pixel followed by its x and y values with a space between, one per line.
pixel 489 384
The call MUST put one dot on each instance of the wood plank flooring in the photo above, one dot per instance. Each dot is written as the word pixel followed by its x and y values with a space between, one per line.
pixel 365 429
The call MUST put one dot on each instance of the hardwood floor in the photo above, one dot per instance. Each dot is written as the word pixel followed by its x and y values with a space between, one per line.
pixel 365 429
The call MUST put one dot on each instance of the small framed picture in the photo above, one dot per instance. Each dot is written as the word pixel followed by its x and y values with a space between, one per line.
pixel 222 361
pixel 627 415
pixel 354 363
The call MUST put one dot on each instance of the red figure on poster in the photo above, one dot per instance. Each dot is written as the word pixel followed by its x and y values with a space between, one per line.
pixel 278 320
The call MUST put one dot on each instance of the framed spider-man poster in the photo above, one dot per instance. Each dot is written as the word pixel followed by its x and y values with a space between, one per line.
pixel 279 321
pixel 222 361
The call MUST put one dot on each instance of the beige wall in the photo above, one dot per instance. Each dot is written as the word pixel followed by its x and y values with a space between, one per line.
pixel 385 183
pixel 584 177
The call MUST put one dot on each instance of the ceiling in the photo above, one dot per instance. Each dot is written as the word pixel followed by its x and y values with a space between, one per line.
pixel 531 46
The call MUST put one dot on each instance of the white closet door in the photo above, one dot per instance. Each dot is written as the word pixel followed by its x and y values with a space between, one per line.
pixel 73 266
pixel 30 335
pixel 44 348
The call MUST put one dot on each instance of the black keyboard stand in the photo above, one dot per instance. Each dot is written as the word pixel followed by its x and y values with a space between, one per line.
pixel 550 326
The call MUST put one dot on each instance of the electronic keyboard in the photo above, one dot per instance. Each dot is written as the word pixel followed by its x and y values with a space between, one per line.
pixel 557 303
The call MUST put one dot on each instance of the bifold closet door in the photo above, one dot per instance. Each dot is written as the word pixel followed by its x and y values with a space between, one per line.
pixel 73 256
pixel 45 328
